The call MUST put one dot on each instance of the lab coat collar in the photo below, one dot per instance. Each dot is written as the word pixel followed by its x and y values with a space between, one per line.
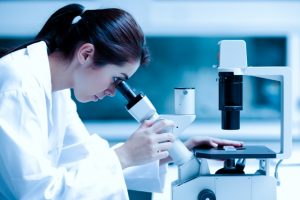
pixel 37 53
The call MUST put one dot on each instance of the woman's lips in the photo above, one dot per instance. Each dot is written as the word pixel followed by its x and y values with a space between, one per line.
pixel 98 97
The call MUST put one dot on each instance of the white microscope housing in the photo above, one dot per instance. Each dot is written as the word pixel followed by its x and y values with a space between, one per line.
pixel 195 182
pixel 231 182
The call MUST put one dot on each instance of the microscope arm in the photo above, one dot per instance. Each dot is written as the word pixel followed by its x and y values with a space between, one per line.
pixel 233 58
pixel 283 75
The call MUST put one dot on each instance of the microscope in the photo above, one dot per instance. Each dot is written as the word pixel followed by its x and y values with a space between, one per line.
pixel 141 109
pixel 195 182
pixel 231 182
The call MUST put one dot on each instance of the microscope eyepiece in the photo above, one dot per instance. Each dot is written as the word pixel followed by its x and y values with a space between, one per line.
pixel 125 90
pixel 128 93
pixel 230 99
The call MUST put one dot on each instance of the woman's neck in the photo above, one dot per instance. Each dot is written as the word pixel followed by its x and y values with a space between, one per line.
pixel 61 72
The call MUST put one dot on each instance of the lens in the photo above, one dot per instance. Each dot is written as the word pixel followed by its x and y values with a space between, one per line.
pixel 125 90
pixel 230 99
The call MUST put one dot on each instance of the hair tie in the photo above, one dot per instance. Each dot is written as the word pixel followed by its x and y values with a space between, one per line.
pixel 76 19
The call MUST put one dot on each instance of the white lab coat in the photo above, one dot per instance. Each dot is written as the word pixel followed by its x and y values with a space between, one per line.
pixel 45 150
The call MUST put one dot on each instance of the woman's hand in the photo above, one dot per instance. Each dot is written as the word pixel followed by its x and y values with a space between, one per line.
pixel 199 141
pixel 149 142
pixel 206 142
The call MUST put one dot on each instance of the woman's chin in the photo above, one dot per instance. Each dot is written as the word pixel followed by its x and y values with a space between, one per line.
pixel 84 99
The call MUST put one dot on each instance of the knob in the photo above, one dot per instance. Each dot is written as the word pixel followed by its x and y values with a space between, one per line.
pixel 206 194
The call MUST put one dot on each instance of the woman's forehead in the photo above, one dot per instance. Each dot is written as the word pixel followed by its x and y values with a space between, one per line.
pixel 127 69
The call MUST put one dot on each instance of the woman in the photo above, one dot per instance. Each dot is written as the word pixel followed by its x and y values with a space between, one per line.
pixel 45 150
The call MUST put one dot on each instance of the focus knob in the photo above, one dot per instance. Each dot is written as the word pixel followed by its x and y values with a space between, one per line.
pixel 206 194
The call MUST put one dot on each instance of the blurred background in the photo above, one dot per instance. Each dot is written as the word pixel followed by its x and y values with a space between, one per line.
pixel 183 40
pixel 183 36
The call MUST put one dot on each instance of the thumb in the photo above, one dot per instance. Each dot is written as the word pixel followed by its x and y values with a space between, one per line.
pixel 147 123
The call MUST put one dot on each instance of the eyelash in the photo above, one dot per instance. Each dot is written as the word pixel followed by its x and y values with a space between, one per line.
pixel 115 79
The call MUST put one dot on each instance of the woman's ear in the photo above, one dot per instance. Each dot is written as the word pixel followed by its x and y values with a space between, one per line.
pixel 85 53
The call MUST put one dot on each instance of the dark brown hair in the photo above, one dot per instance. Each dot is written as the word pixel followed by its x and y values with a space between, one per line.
pixel 115 34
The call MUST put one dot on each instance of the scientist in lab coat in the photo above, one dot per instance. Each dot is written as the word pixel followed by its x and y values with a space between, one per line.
pixel 45 150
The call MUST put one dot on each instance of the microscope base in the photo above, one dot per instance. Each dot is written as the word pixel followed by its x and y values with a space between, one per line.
pixel 225 187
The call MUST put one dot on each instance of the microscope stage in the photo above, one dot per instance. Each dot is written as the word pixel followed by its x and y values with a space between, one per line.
pixel 232 152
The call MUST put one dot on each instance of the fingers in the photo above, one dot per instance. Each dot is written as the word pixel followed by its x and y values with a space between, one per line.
pixel 210 142
pixel 221 142
pixel 161 142
pixel 147 123
pixel 197 141
pixel 163 125
pixel 162 155
pixel 158 126
pixel 164 146
pixel 164 137
pixel 162 150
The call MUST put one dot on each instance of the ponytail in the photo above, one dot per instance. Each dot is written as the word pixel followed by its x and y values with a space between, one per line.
pixel 58 26
pixel 116 36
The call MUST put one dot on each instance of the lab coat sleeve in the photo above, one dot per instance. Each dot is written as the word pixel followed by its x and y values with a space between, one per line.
pixel 147 178
pixel 26 172
pixel 75 129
